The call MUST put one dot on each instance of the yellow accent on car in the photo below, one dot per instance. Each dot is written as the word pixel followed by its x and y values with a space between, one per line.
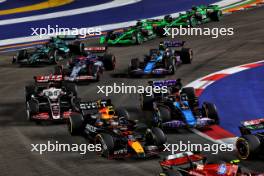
pixel 137 147
pixel 43 5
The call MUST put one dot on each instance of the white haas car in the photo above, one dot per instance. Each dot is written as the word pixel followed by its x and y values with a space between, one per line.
pixel 50 99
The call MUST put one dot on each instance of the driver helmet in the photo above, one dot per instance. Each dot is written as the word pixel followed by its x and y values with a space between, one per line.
pixel 107 113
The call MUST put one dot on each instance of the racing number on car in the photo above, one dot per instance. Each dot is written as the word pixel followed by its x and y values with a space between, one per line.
pixel 90 128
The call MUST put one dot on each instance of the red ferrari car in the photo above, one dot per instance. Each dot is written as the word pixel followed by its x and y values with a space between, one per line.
pixel 188 163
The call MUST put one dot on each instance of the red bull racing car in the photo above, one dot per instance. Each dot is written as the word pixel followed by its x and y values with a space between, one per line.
pixel 115 132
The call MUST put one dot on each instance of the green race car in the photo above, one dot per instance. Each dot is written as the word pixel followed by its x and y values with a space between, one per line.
pixel 196 16
pixel 137 34
pixel 54 51
pixel 150 28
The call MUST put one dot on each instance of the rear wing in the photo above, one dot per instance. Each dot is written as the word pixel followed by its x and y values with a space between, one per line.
pixel 47 79
pixel 168 83
pixel 174 43
pixel 251 125
pixel 96 49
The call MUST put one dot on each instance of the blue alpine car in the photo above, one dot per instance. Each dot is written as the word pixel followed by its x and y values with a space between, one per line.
pixel 161 61
pixel 178 107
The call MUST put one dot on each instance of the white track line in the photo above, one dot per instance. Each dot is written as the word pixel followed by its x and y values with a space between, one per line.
pixel 112 4
pixel 104 27
pixel 1 1
pixel 200 83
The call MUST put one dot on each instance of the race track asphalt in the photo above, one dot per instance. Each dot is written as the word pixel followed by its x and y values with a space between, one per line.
pixel 17 134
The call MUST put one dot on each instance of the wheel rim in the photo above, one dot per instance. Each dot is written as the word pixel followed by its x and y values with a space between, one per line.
pixel 104 152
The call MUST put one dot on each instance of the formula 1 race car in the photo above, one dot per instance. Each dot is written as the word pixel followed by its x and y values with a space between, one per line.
pixel 197 15
pixel 162 61
pixel 50 99
pixel 88 67
pixel 137 34
pixel 118 135
pixel 191 164
pixel 178 107
pixel 250 144
pixel 51 53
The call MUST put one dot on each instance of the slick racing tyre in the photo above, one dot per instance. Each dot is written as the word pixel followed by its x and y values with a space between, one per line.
pixel 109 62
pixel 29 91
pixel 32 108
pixel 71 88
pixel 107 144
pixel 146 102
pixel 77 47
pixel 75 124
pixel 186 55
pixel 155 136
pixel 247 146
pixel 134 64
pixel 121 112
pixel 215 15
pixel 164 113
pixel 22 54
pixel 75 104
pixel 209 110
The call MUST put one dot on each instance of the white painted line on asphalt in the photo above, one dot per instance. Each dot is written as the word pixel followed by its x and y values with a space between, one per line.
pixel 103 27
pixel 109 5
pixel 229 3
pixel 200 84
